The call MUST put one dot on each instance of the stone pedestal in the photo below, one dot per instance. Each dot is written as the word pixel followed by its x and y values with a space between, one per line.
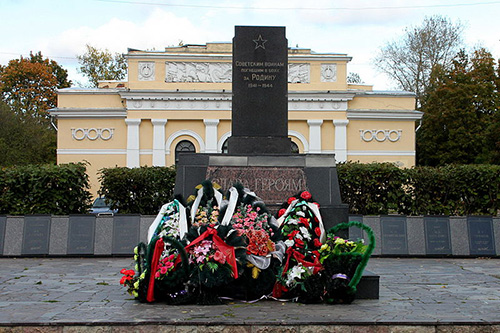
pixel 274 178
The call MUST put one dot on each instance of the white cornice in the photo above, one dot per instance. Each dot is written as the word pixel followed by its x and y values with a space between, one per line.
pixel 89 112
pixel 63 151
pixel 228 56
pixel 380 153
pixel 89 91
pixel 384 114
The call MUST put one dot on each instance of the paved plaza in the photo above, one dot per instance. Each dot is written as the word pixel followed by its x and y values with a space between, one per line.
pixel 62 292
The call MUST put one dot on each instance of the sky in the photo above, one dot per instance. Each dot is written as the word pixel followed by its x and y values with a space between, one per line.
pixel 60 29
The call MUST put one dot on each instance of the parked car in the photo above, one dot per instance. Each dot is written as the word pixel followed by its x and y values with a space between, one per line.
pixel 100 207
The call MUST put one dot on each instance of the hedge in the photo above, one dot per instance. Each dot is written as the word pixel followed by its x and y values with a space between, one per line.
pixel 368 189
pixel 138 190
pixel 44 189
pixel 382 188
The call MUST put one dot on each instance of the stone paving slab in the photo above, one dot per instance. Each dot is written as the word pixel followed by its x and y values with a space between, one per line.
pixel 413 292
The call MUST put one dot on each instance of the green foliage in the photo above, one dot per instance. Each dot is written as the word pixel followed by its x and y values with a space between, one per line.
pixel 99 65
pixel 138 190
pixel 382 188
pixel 28 85
pixel 25 140
pixel 461 123
pixel 375 188
pixel 46 189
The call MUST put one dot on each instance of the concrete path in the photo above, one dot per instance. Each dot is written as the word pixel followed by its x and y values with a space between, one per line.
pixel 420 293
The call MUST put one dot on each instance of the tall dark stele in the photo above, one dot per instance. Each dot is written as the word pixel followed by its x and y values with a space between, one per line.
pixel 260 85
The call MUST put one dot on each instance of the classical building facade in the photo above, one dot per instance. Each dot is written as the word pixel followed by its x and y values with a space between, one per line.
pixel 179 99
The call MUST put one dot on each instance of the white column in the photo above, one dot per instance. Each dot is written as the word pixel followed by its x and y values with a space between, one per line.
pixel 341 140
pixel 159 141
pixel 133 160
pixel 315 135
pixel 211 135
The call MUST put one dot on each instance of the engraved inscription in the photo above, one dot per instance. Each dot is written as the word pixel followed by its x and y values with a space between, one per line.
pixel 259 74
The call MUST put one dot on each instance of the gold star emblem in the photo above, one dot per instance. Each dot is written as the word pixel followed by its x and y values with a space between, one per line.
pixel 259 42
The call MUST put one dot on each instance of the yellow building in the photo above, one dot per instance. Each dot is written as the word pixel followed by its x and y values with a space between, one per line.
pixel 180 100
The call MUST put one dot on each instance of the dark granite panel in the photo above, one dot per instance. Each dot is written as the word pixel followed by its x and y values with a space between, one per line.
pixel 126 233
pixel 3 222
pixel 355 233
pixel 416 235
pixel 36 235
pixel 224 160
pixel 481 236
pixel 273 184
pixel 59 236
pixel 394 235
pixel 437 235
pixel 81 235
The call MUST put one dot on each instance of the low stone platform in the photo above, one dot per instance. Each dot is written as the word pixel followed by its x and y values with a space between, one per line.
pixel 83 295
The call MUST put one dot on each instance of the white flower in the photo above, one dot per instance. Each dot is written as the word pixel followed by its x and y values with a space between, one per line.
pixel 305 233
pixel 289 242
pixel 294 274
pixel 292 221
pixel 301 214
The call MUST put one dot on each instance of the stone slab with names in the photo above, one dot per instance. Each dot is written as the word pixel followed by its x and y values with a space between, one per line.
pixel 126 233
pixel 394 235
pixel 36 235
pixel 3 222
pixel 81 234
pixel 481 235
pixel 437 235
pixel 356 233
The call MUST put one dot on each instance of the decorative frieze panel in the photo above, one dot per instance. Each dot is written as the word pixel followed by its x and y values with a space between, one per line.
pixel 328 72
pixel 299 73
pixel 218 72
pixel 212 72
pixel 380 135
pixel 92 134
pixel 146 71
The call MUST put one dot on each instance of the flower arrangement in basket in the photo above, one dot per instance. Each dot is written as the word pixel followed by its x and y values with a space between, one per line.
pixel 344 262
pixel 304 234
pixel 264 247
pixel 216 252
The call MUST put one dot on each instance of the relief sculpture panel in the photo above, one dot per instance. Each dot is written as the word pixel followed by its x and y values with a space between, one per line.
pixel 198 72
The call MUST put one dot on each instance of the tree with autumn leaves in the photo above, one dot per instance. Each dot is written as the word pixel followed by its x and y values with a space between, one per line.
pixel 28 90
pixel 461 122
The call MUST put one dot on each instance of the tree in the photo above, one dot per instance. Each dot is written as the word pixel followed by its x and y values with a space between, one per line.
pixel 24 140
pixel 28 85
pixel 99 65
pixel 354 78
pixel 461 122
pixel 410 59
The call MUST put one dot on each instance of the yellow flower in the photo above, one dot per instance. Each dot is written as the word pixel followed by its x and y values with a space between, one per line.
pixel 136 250
pixel 135 294
pixel 324 247
pixel 136 285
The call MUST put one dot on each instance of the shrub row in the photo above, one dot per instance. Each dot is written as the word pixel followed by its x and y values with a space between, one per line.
pixel 382 188
pixel 44 189
pixel 139 190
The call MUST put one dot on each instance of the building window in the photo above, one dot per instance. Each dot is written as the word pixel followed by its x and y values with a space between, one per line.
pixel 295 148
pixel 224 147
pixel 184 146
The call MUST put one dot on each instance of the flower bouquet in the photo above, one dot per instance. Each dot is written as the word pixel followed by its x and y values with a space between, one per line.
pixel 304 234
pixel 216 255
pixel 344 261
pixel 215 252
pixel 264 247
pixel 161 265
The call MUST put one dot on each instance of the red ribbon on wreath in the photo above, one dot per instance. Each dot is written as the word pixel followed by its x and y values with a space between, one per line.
pixel 291 252
pixel 227 250
pixel 159 247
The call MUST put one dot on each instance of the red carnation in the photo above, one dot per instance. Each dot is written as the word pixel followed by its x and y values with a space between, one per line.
pixel 281 212
pixel 317 243
pixel 317 204
pixel 306 195
pixel 316 253
pixel 304 221
pixel 299 242
pixel 291 199
pixel 317 231
pixel 292 234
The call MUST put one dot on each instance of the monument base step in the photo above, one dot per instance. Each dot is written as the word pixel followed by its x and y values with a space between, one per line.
pixel 368 286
